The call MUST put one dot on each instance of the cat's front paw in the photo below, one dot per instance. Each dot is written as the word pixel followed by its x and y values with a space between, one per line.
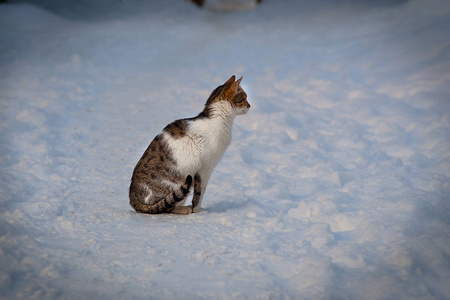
pixel 197 209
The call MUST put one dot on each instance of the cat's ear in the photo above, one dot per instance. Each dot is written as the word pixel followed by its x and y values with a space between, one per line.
pixel 230 81
pixel 234 85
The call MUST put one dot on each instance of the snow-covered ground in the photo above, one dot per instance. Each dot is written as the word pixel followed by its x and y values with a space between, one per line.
pixel 336 184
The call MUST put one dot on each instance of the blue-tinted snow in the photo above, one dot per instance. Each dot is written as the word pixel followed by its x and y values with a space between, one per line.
pixel 336 184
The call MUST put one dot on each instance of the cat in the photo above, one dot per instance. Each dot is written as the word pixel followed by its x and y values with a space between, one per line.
pixel 185 153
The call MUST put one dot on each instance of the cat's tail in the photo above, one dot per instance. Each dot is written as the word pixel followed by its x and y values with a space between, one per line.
pixel 165 205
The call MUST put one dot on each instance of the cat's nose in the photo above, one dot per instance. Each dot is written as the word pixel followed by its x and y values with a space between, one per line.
pixel 248 105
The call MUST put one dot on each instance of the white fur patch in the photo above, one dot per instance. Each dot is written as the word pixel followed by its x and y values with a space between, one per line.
pixel 215 132
pixel 148 191
pixel 186 153
pixel 243 111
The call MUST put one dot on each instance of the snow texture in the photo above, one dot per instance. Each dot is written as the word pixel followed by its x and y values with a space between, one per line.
pixel 335 186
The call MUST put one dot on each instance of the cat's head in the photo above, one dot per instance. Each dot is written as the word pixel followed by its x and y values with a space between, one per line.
pixel 232 92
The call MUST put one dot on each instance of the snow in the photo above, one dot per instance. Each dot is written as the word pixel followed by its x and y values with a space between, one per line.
pixel 335 186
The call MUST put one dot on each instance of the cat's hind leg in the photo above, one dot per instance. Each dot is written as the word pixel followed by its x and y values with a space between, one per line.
pixel 182 210
pixel 179 207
